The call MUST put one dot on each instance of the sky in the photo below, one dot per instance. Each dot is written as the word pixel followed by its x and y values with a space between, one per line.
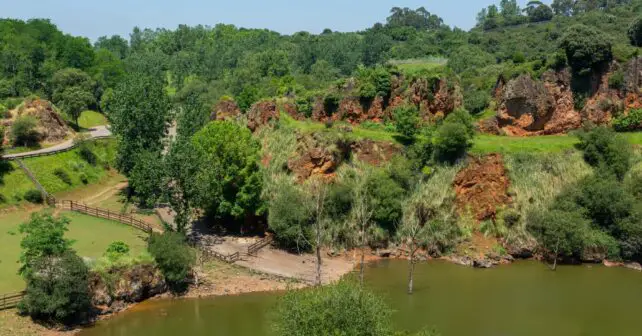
pixel 94 18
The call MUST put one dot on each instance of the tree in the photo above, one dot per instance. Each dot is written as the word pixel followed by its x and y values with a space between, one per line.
pixel 139 116
pixel 291 225
pixel 454 137
pixel 115 44
pixel 339 309
pixel 560 232
pixel 181 165
pixel 386 196
pixel 635 32
pixel 318 192
pixel 362 211
pixel 476 101
pixel 174 258
pixel 147 178
pixel 43 237
pixel 538 12
pixel 228 179
pixel 587 49
pixel 73 91
pixel 23 131
pixel 413 233
pixel 57 288
pixel 563 7
pixel 406 120
pixel 194 113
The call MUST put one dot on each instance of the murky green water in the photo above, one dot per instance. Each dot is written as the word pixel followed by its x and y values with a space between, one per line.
pixel 521 299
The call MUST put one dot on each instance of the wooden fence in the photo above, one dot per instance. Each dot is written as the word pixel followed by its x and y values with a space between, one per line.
pixel 229 258
pixel 252 249
pixel 10 300
pixel 58 151
pixel 106 214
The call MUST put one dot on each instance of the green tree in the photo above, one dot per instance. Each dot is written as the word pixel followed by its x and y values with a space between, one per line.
pixel 115 44
pixel 635 32
pixel 228 179
pixel 561 233
pixel 291 225
pixel 454 137
pixel 174 258
pixel 147 178
pixel 587 49
pixel 23 131
pixel 339 309
pixel 181 166
pixel 43 237
pixel 386 196
pixel 563 7
pixel 57 289
pixel 606 150
pixel 139 115
pixel 406 120
pixel 74 100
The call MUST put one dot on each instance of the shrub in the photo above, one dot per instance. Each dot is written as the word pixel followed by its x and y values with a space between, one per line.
pixel 57 289
pixel 116 250
pixel 559 232
pixel 63 176
pixel 291 225
pixel 174 258
pixel 476 101
pixel 84 178
pixel 3 198
pixel 385 195
pixel 305 105
pixel 23 131
pixel 33 196
pixel 406 120
pixel 451 142
pixel 635 32
pixel 586 48
pixel 616 81
pixel 630 122
pixel 331 103
pixel 343 308
pixel 86 153
pixel 606 150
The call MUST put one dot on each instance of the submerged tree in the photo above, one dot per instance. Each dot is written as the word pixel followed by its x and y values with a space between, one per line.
pixel 317 190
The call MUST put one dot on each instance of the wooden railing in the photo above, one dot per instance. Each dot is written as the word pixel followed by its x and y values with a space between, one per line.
pixel 10 300
pixel 58 151
pixel 252 249
pixel 106 214
pixel 228 258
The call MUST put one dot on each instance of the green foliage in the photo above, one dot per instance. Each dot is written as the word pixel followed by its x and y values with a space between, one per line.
pixel 34 196
pixel 63 175
pixel 248 97
pixel 291 225
pixel 86 153
pixel 406 120
pixel 616 80
pixel 116 250
pixel 343 308
pixel 57 289
pixel 476 101
pixel 630 122
pixel 373 82
pixel 139 116
pixel 386 196
pixel 173 257
pixel 228 181
pixel 587 49
pixel 73 91
pixel 453 139
pixel 147 178
pixel 23 131
pixel 43 238
pixel 606 150
pixel 560 232
pixel 635 32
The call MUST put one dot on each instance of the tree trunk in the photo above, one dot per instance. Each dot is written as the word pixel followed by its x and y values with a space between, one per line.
pixel 411 270
pixel 361 270
pixel 318 251
pixel 555 256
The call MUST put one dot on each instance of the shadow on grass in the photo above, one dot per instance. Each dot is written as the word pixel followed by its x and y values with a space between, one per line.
pixel 406 141
pixel 5 168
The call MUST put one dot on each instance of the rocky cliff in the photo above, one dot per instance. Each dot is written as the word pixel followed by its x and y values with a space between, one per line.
pixel 51 127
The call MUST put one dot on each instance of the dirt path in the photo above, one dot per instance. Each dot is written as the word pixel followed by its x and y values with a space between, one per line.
pixel 283 264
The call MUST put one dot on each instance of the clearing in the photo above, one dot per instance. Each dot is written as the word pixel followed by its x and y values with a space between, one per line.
pixel 89 119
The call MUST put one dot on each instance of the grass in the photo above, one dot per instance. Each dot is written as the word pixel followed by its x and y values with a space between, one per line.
pixel 358 133
pixel 89 119
pixel 14 183
pixel 416 65
pixel 484 143
pixel 91 235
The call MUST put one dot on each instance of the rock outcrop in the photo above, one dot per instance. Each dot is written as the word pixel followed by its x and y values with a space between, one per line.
pixel 51 127
pixel 119 287
pixel 374 152
pixel 317 157
pixel 482 186
pixel 225 109
pixel 262 113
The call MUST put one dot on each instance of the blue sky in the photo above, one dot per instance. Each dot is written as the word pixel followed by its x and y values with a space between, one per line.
pixel 93 18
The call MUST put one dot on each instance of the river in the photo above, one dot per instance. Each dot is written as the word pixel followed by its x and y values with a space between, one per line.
pixel 524 298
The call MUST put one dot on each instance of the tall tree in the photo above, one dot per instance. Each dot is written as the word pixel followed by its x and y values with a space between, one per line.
pixel 73 91
pixel 139 115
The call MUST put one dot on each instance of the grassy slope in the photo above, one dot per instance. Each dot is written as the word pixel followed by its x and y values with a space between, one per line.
pixel 15 183
pixel 91 235
pixel 90 119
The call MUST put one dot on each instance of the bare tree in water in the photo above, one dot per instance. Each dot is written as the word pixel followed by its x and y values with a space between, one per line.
pixel 413 233
pixel 318 193
pixel 362 213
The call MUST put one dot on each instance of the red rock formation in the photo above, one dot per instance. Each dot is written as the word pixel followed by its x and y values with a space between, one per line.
pixel 262 113
pixel 482 187
pixel 373 152
pixel 225 109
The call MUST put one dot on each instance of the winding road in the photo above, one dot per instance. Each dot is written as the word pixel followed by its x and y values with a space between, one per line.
pixel 94 132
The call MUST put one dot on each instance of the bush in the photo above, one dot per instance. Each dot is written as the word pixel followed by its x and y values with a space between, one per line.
pixel 339 309
pixel 116 250
pixel 57 289
pixel 291 225
pixel 84 178
pixel 451 142
pixel 616 81
pixel 406 120
pixel 23 131
pixel 476 101
pixel 586 48
pixel 63 176
pixel 33 196
pixel 606 150
pixel 86 153
pixel 635 32
pixel 304 105
pixel 630 122
pixel 174 258
pixel 560 232
pixel 3 199
pixel 386 197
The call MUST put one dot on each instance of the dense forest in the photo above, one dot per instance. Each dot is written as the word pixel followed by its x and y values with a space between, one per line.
pixel 370 133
